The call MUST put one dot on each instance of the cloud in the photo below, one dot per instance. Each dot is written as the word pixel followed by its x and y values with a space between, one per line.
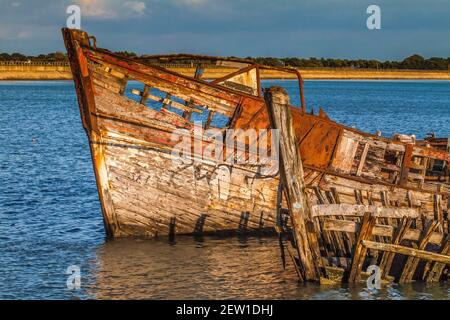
pixel 112 9
pixel 97 8
pixel 235 27
pixel 23 34
pixel 192 2
pixel 135 6
pixel 15 4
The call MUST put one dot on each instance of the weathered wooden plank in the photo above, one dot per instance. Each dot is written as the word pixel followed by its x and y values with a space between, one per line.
pixel 410 199
pixel 329 240
pixel 348 237
pixel 437 206
pixel 147 180
pixel 180 187
pixel 362 161
pixel 379 230
pixel 216 97
pixel 358 197
pixel 168 102
pixel 335 193
pixel 412 262
pixel 291 170
pixel 385 199
pixel 421 254
pixel 359 251
pixel 319 195
pixel 345 153
pixel 398 236
pixel 434 270
pixel 346 209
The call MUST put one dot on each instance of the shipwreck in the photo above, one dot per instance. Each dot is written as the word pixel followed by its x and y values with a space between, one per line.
pixel 339 198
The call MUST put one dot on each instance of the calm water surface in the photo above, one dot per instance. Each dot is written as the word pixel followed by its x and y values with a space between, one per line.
pixel 50 215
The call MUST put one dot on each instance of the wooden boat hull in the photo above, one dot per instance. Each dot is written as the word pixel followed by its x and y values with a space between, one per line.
pixel 144 191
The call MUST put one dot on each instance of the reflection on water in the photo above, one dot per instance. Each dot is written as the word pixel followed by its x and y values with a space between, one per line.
pixel 229 268
pixel 226 268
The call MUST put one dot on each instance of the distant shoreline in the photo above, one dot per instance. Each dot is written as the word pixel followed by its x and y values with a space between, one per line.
pixel 39 73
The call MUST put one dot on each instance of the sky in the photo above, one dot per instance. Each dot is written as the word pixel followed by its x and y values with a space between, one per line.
pixel 279 28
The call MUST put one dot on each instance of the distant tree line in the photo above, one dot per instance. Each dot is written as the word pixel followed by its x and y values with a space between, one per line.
pixel 50 57
pixel 413 62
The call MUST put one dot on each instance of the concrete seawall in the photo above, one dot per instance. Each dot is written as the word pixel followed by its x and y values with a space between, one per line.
pixel 62 72
pixel 323 73
pixel 34 72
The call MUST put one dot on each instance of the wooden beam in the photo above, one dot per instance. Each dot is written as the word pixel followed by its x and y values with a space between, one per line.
pixel 291 170
pixel 209 119
pixel 335 195
pixel 363 159
pixel 385 198
pixel 407 160
pixel 359 252
pixel 345 209
pixel 144 94
pixel 395 248
pixel 399 234
pixel 433 270
pixel 437 208
pixel 319 195
pixel 358 197
pixel 412 262
pixel 379 230
pixel 410 199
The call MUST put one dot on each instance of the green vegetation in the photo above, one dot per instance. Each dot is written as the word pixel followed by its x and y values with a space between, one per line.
pixel 51 57
pixel 413 62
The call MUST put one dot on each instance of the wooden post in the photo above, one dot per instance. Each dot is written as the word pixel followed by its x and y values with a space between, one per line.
pixel 434 270
pixel 359 251
pixel 329 244
pixel 388 257
pixel 291 172
pixel 412 262
pixel 144 96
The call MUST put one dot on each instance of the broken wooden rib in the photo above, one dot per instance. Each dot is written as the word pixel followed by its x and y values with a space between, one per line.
pixel 411 252
pixel 379 230
pixel 367 229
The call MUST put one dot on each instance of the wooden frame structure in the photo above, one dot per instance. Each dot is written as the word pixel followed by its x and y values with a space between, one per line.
pixel 350 237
